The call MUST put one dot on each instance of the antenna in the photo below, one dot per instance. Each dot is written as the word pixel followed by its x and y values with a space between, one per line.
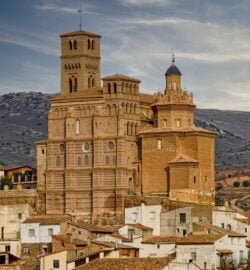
pixel 80 15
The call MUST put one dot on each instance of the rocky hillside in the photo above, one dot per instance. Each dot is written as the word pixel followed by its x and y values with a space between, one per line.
pixel 23 120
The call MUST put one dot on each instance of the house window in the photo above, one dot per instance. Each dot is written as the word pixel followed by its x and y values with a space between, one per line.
pixel 245 230
pixel 159 144
pixel 31 232
pixel 7 248
pixel 26 250
pixel 222 225
pixel 131 233
pixel 50 232
pixel 194 179
pixel 134 217
pixel 241 256
pixel 56 264
pixel 19 215
pixel 158 245
pixel 184 232
pixel 229 227
pixel 193 256
pixel 183 218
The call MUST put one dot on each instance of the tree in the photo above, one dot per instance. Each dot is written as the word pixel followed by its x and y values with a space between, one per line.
pixel 236 184
pixel 5 181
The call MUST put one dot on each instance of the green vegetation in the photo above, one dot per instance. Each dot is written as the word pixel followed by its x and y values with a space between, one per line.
pixel 5 181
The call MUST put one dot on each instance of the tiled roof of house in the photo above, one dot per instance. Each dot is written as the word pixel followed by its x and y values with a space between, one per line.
pixel 199 239
pixel 71 240
pixel 140 227
pixel 161 239
pixel 113 245
pixel 224 251
pixel 244 220
pixel 91 227
pixel 127 264
pixel 181 158
pixel 79 33
pixel 48 219
pixel 219 230
pixel 121 77
pixel 121 237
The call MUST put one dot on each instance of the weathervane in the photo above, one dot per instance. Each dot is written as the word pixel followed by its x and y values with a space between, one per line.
pixel 80 14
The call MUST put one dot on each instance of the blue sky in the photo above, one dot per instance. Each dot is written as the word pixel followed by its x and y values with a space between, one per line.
pixel 210 38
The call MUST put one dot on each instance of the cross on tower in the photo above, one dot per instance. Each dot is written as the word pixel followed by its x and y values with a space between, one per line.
pixel 80 15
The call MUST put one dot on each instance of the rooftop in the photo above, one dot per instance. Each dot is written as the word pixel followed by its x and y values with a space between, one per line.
pixel 181 158
pixel 47 219
pixel 127 263
pixel 79 33
pixel 161 239
pixel 91 227
pixel 120 77
pixel 140 227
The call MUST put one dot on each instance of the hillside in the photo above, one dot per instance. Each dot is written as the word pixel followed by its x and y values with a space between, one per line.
pixel 23 120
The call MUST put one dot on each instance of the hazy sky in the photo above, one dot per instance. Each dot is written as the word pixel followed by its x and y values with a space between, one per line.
pixel 210 38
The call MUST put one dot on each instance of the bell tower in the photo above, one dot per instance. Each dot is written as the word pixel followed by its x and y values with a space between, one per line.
pixel 80 62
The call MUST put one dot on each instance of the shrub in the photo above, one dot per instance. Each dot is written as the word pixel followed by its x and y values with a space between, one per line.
pixel 5 181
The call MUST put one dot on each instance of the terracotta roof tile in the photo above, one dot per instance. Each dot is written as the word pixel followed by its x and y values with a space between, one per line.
pixel 113 245
pixel 171 129
pixel 120 77
pixel 193 239
pixel 224 251
pixel 140 227
pixel 91 227
pixel 79 33
pixel 48 219
pixel 244 220
pixel 121 237
pixel 183 159
pixel 127 263
pixel 74 241
pixel 161 239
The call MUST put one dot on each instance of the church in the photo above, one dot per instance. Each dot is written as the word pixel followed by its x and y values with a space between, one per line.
pixel 107 140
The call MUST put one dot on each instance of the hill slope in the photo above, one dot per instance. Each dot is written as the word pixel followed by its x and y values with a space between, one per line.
pixel 23 120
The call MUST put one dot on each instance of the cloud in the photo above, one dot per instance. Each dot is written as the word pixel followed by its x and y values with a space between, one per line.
pixel 29 40
pixel 144 2
pixel 52 7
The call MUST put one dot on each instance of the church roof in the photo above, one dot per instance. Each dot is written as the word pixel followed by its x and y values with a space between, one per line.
pixel 183 159
pixel 173 70
pixel 120 77
pixel 152 130
pixel 79 33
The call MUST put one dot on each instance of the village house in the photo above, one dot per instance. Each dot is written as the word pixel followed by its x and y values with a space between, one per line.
pixel 11 216
pixel 37 232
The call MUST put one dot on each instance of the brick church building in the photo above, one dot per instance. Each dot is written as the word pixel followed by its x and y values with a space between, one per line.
pixel 106 140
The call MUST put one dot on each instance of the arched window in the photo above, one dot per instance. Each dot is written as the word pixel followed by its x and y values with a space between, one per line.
pixel 93 44
pixel 135 109
pixel 93 82
pixel 109 88
pixel 174 86
pixel 109 109
pixel 128 128
pixel 127 108
pixel 115 88
pixel 159 144
pixel 58 161
pixel 89 44
pixel 79 161
pixel 70 45
pixel 135 90
pixel 75 85
pixel 86 160
pixel 130 89
pixel 178 123
pixel 107 159
pixel 75 44
pixel 70 85
pixel 131 108
pixel 77 127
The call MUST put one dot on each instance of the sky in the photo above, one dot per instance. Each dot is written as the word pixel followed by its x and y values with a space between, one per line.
pixel 210 39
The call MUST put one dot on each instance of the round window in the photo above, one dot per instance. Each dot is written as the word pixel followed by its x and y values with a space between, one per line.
pixel 111 145
pixel 86 147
